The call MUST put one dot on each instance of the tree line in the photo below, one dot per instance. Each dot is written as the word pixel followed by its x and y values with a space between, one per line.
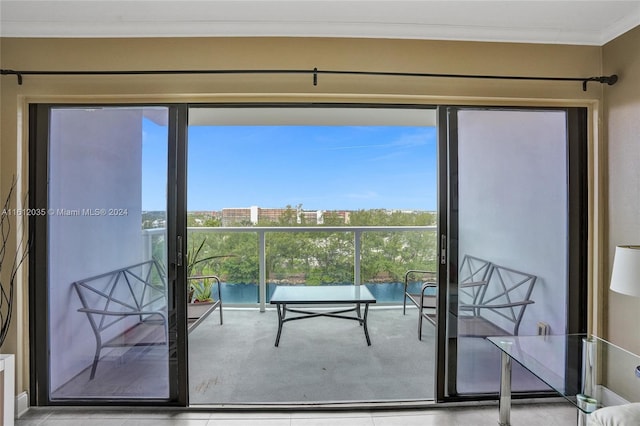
pixel 317 257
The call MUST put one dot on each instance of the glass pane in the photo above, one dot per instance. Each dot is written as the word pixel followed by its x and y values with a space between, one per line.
pixel 383 269
pixel 232 256
pixel 306 258
pixel 317 197
pixel 512 277
pixel 107 253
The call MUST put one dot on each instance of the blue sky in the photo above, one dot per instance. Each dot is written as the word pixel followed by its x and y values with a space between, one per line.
pixel 320 167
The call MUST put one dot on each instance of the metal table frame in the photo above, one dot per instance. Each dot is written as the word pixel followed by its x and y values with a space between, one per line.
pixel 594 370
pixel 322 295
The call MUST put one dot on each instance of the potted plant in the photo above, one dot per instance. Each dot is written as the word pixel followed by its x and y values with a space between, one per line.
pixel 200 286
pixel 200 298
pixel 203 292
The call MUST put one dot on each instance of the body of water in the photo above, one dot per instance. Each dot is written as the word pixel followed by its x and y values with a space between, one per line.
pixel 238 293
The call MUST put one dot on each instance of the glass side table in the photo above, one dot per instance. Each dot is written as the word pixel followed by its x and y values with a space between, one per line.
pixel 586 370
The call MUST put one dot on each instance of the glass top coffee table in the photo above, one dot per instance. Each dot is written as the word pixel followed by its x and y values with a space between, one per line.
pixel 586 370
pixel 322 295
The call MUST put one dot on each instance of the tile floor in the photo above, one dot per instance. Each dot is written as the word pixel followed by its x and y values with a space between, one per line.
pixel 548 414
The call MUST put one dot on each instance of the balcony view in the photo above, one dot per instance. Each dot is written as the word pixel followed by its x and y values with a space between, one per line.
pixel 311 206
pixel 286 208
pixel 345 179
pixel 315 251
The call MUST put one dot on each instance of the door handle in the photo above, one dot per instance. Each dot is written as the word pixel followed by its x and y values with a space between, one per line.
pixel 179 251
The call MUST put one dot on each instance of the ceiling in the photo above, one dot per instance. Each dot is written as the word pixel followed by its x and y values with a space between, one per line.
pixel 558 22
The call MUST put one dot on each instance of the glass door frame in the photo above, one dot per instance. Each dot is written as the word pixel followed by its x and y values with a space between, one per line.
pixel 338 106
pixel 577 241
pixel 445 351
pixel 39 125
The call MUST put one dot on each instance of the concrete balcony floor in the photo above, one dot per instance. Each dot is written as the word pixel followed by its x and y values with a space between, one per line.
pixel 318 360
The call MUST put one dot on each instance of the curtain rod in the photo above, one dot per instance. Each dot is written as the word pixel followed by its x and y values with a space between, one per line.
pixel 610 80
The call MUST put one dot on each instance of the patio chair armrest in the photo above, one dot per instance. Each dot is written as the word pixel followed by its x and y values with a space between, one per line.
pixel 498 306
pixel 121 314
pixel 416 271
pixel 427 285
pixel 472 284
pixel 413 271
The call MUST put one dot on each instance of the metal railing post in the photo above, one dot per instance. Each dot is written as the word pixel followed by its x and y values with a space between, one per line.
pixel 262 256
pixel 147 244
pixel 357 258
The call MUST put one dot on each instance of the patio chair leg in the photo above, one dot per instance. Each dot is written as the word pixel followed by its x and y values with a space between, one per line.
pixel 94 367
pixel 404 305
pixel 420 324
pixel 220 313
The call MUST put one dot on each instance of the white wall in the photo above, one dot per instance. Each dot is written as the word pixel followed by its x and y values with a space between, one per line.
pixel 95 162
pixel 513 201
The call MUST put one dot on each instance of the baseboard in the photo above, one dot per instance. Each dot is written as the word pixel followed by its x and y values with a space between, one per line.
pixel 607 397
pixel 22 404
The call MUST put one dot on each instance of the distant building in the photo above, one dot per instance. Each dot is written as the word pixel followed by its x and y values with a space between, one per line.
pixel 269 215
pixel 310 217
pixel 342 215
pixel 236 216
pixel 254 214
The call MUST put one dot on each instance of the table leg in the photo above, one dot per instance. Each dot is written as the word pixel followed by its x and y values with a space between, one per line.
pixel 586 406
pixel 504 403
pixel 582 418
pixel 364 324
pixel 280 321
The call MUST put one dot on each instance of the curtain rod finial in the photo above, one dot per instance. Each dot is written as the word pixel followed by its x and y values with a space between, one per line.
pixel 611 80
pixel 603 79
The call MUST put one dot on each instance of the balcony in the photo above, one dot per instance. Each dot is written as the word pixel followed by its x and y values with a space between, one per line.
pixel 321 360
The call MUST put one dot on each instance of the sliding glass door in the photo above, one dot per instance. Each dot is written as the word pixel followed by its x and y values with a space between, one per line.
pixel 488 203
pixel 108 303
pixel 311 197
pixel 516 209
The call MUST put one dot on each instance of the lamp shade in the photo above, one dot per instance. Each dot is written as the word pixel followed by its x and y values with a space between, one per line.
pixel 625 276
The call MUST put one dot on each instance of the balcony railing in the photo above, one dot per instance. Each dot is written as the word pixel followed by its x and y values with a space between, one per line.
pixel 154 237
